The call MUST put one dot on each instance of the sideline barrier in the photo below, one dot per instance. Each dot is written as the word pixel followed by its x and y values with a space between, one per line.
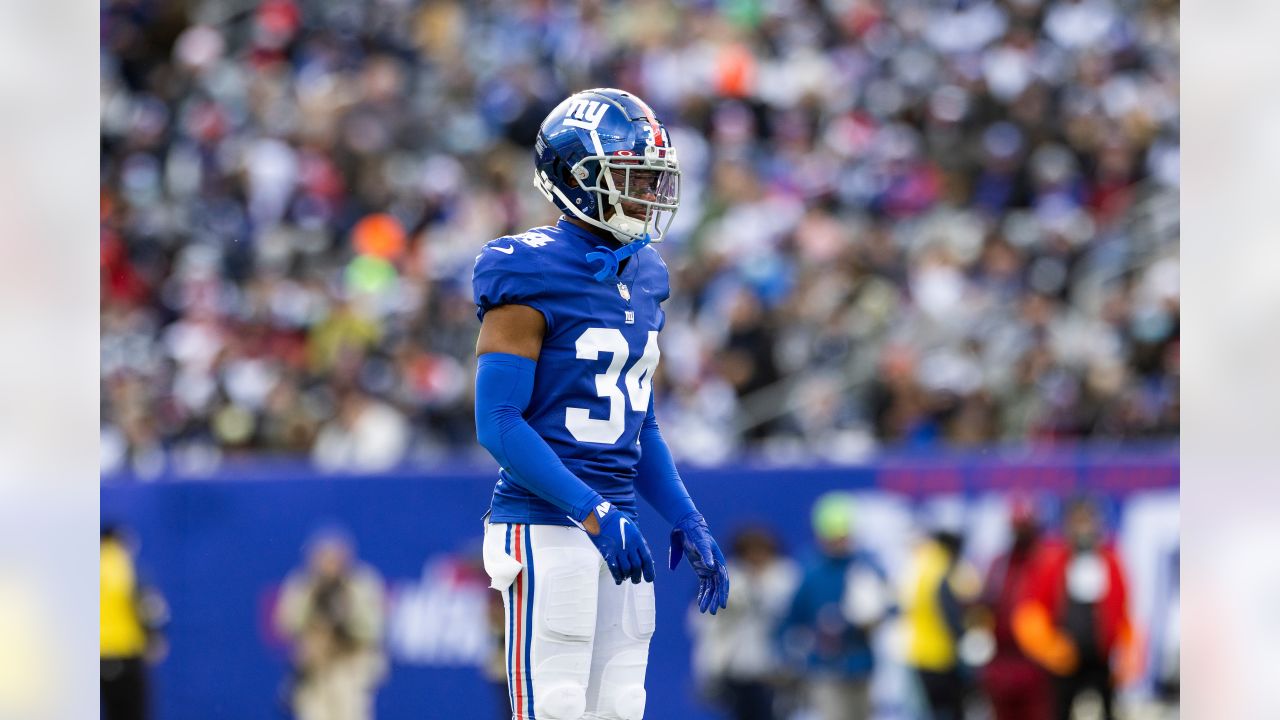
pixel 219 547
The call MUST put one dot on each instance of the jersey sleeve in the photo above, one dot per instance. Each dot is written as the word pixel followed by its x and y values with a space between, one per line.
pixel 507 273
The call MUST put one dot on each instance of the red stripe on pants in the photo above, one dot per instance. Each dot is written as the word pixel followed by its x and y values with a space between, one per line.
pixel 518 663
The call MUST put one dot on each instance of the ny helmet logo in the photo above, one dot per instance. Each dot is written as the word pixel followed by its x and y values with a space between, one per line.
pixel 585 114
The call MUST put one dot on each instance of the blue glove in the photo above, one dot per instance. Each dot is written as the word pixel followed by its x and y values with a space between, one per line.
pixel 692 537
pixel 623 547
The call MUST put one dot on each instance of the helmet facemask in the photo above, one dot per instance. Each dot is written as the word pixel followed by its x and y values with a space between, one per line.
pixel 636 196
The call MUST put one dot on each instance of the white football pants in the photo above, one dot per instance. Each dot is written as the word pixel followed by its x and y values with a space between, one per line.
pixel 577 644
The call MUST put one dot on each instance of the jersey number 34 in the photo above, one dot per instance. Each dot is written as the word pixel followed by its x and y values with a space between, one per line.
pixel 638 381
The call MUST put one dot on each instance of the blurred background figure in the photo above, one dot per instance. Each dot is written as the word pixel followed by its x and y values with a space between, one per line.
pixel 939 591
pixel 368 435
pixel 331 610
pixel 1168 651
pixel 827 632
pixel 130 617
pixel 1017 686
pixel 735 654
pixel 494 668
pixel 1073 616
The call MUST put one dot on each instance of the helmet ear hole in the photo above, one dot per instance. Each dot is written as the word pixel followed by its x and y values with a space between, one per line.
pixel 576 176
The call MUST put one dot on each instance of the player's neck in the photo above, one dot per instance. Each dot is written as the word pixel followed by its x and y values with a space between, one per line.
pixel 610 241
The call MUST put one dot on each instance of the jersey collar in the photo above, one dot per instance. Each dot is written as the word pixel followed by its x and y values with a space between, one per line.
pixel 589 238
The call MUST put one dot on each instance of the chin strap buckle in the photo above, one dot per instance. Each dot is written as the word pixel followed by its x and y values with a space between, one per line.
pixel 610 259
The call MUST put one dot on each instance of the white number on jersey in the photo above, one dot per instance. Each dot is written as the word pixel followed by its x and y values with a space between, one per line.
pixel 534 239
pixel 639 384
pixel 639 378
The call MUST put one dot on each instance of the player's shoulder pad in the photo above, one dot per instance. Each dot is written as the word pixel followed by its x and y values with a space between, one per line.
pixel 508 270
pixel 521 253
pixel 516 252
pixel 511 245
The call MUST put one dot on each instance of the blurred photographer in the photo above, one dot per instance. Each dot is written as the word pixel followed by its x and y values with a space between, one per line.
pixel 1073 614
pixel 131 616
pixel 843 597
pixel 940 589
pixel 331 611
pixel 735 654
pixel 1019 688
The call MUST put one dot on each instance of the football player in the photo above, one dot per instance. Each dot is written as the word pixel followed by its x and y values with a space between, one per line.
pixel 567 352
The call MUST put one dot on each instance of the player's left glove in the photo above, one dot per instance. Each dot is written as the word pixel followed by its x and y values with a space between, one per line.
pixel 692 537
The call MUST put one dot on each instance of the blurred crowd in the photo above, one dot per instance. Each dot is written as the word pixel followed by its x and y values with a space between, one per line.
pixel 903 222
pixel 1045 633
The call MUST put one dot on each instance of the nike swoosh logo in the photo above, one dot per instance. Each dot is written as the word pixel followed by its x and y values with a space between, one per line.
pixel 622 533
pixel 508 250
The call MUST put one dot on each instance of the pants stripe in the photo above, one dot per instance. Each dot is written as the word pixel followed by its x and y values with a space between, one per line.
pixel 518 611
pixel 511 637
pixel 528 649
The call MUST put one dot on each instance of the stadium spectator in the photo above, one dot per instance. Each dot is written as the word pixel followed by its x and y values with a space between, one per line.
pixel 1073 617
pixel 939 590
pixel 331 611
pixel 130 617
pixel 842 598
pixel 1019 689
pixel 735 655
pixel 904 222
pixel 368 435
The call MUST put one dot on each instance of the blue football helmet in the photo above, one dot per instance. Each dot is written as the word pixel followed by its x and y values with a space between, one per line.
pixel 603 157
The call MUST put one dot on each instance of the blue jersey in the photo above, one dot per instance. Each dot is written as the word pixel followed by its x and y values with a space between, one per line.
pixel 594 376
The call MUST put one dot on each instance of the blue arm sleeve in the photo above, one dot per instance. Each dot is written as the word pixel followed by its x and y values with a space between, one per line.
pixel 504 384
pixel 656 477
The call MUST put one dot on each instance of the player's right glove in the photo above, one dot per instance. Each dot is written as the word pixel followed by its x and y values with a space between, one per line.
pixel 623 547
pixel 692 537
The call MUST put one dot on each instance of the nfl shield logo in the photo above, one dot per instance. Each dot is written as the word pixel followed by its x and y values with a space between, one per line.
pixel 625 292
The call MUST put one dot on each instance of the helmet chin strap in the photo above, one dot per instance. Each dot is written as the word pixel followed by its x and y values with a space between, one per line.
pixel 610 259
